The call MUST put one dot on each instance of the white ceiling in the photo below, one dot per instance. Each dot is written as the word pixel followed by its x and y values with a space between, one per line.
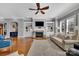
pixel 21 9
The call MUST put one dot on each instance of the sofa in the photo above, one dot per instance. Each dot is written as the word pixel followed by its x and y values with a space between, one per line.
pixel 64 42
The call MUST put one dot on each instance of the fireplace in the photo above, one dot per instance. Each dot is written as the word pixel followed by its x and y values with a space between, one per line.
pixel 39 34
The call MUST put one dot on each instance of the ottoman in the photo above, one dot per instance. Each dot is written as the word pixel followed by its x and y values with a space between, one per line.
pixel 73 51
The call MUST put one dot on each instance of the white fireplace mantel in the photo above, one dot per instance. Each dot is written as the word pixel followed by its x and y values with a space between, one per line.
pixel 39 30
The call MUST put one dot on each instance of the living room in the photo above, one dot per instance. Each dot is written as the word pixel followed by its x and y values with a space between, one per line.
pixel 25 31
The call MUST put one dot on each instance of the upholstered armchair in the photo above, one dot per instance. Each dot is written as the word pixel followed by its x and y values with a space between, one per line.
pixel 4 43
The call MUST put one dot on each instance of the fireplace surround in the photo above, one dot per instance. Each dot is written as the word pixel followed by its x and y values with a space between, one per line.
pixel 39 34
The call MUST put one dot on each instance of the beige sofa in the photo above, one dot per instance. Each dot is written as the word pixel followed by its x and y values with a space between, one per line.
pixel 64 43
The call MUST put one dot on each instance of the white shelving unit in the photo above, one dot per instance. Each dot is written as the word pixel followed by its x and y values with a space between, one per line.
pixel 49 27
pixel 28 28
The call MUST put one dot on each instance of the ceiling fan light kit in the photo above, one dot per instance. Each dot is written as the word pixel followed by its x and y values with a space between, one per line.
pixel 39 9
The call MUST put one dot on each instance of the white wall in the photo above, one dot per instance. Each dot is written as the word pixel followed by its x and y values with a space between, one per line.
pixel 20 27
pixel 8 21
pixel 9 26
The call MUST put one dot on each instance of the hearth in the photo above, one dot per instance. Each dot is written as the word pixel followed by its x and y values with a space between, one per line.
pixel 39 34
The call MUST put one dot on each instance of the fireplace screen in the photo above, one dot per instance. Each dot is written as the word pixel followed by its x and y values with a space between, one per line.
pixel 39 34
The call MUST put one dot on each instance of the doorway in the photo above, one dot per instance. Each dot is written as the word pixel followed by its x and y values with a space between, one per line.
pixel 1 29
pixel 14 27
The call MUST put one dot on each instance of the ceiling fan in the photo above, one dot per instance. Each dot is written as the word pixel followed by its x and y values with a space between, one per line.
pixel 39 9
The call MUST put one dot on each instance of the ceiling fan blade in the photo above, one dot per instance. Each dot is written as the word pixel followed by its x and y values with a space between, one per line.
pixel 38 5
pixel 32 9
pixel 45 8
pixel 42 12
pixel 37 12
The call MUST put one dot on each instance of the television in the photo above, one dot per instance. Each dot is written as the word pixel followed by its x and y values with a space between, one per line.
pixel 39 23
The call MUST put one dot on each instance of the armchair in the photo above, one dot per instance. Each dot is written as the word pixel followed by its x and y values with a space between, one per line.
pixel 4 43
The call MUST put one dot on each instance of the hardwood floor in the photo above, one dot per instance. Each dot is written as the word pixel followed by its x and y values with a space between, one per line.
pixel 22 45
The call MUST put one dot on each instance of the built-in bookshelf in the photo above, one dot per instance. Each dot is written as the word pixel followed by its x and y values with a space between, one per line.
pixel 28 27
pixel 49 27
